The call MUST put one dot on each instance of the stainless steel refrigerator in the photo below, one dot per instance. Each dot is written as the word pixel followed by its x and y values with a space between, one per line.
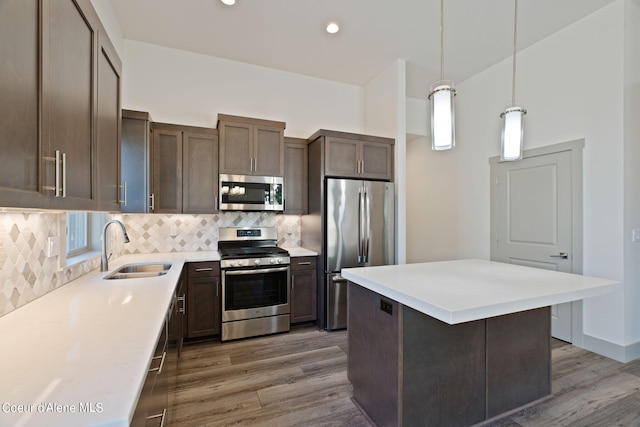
pixel 359 231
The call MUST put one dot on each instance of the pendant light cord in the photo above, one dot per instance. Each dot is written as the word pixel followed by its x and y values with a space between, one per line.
pixel 442 40
pixel 515 39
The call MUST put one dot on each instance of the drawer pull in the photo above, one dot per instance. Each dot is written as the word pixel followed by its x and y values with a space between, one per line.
pixel 159 368
pixel 305 263
pixel 204 269
pixel 161 416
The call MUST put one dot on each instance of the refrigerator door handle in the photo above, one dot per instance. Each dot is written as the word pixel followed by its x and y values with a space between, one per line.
pixel 367 237
pixel 360 224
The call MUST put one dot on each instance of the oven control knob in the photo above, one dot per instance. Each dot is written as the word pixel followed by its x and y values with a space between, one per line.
pixel 256 262
pixel 272 260
pixel 240 262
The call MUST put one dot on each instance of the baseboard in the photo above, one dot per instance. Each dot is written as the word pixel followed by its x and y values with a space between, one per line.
pixel 617 352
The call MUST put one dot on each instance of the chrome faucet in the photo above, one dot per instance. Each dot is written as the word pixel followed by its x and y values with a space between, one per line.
pixel 104 260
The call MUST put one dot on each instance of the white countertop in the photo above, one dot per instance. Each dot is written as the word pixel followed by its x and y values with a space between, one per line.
pixel 88 342
pixel 298 252
pixel 466 290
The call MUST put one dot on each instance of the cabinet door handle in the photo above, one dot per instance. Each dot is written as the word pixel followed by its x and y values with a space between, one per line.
pixel 56 161
pixel 152 206
pixel 293 282
pixel 204 269
pixel 64 174
pixel 251 164
pixel 562 255
pixel 255 164
pixel 124 189
pixel 217 288
pixel 182 307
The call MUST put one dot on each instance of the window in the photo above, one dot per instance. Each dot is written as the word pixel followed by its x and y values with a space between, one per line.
pixel 78 236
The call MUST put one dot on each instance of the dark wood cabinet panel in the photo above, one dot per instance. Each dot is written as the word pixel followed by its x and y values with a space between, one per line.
pixel 135 163
pixel 295 176
pixel 268 151
pixel 377 160
pixel 236 148
pixel 251 146
pixel 200 180
pixel 203 299
pixel 166 169
pixel 108 125
pixel 19 104
pixel 348 155
pixel 342 157
pixel 304 284
pixel 69 99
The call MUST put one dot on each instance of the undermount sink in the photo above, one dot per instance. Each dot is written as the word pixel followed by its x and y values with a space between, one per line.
pixel 139 271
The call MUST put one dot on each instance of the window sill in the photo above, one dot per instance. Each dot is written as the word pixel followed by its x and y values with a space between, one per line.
pixel 79 259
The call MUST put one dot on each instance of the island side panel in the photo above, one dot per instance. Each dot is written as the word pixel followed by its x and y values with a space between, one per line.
pixel 518 359
pixel 443 371
pixel 373 355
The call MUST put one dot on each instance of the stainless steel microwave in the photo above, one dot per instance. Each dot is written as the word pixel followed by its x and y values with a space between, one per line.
pixel 251 193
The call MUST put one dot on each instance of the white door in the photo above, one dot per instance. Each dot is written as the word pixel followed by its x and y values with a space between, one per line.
pixel 531 214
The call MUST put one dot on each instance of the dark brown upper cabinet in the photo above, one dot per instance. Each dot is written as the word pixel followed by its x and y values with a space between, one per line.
pixel 20 106
pixel 200 172
pixel 135 161
pixel 251 146
pixel 108 126
pixel 348 155
pixel 54 86
pixel 69 89
pixel 184 169
pixel 295 176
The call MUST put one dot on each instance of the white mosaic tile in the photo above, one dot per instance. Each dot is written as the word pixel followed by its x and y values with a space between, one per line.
pixel 153 233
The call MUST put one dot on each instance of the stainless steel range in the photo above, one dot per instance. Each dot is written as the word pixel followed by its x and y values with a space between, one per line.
pixel 255 282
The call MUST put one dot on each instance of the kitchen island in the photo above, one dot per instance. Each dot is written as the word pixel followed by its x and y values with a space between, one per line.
pixel 455 342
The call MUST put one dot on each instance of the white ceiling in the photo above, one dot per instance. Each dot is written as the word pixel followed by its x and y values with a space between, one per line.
pixel 289 35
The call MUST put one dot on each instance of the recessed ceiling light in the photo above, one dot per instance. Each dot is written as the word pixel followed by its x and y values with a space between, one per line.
pixel 229 2
pixel 332 28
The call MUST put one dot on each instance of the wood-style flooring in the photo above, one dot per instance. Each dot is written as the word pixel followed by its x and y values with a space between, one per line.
pixel 300 379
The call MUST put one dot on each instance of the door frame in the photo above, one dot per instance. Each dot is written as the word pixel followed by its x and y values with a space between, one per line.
pixel 575 147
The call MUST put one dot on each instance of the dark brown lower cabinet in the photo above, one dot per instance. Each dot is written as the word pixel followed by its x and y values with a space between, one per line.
pixel 430 373
pixel 303 289
pixel 203 299
pixel 153 404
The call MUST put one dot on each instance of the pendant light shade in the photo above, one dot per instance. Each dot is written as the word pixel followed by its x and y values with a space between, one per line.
pixel 513 117
pixel 512 133
pixel 443 134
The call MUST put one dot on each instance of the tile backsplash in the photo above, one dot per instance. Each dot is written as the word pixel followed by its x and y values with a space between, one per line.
pixel 153 233
pixel 26 272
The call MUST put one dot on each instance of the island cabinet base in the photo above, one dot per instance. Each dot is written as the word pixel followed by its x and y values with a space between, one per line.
pixel 410 369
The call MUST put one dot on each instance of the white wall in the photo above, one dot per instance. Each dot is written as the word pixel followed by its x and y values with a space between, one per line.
pixel 385 115
pixel 187 88
pixel 110 23
pixel 632 172
pixel 572 85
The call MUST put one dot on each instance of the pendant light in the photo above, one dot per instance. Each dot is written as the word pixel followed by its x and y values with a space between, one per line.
pixel 443 134
pixel 513 117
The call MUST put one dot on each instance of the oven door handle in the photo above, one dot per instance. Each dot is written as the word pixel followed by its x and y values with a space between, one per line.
pixel 260 270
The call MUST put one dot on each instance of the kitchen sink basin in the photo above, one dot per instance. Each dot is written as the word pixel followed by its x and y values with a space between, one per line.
pixel 139 271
